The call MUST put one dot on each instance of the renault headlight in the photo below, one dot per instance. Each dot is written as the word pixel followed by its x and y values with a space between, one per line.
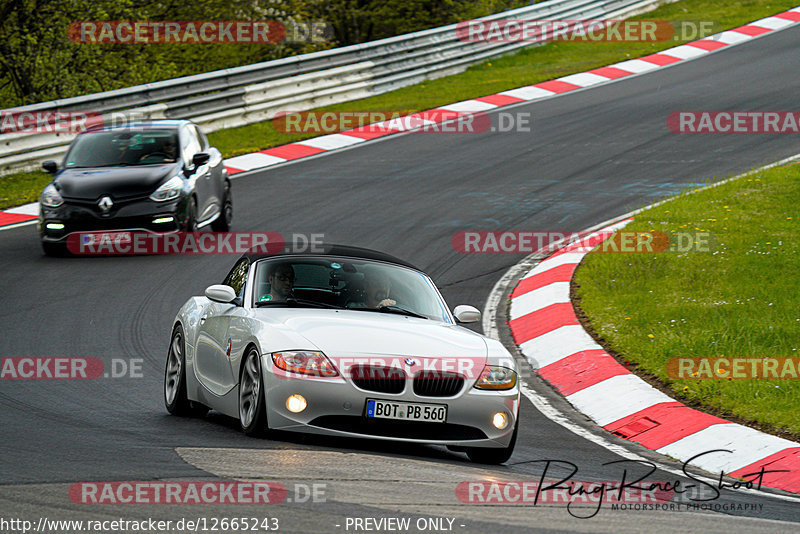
pixel 495 377
pixel 169 190
pixel 50 197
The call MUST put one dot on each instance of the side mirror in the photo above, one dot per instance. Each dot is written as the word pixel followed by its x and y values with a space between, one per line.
pixel 201 158
pixel 467 314
pixel 221 293
pixel 50 166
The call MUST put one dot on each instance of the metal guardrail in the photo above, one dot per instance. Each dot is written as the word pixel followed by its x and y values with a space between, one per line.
pixel 254 93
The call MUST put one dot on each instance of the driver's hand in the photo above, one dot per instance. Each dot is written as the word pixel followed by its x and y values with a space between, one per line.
pixel 387 302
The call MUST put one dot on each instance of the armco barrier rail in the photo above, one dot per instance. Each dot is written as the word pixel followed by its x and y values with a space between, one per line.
pixel 253 93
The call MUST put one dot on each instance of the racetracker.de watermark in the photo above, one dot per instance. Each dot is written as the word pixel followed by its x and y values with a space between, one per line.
pixel 624 241
pixel 202 493
pixel 291 365
pixel 733 368
pixel 68 368
pixel 48 121
pixel 69 122
pixel 147 243
pixel 380 122
pixel 176 31
pixel 598 30
pixel 582 499
pixel 734 122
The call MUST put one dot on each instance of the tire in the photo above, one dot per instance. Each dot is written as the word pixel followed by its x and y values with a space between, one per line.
pixel 481 455
pixel 191 216
pixel 252 407
pixel 175 398
pixel 223 222
pixel 55 250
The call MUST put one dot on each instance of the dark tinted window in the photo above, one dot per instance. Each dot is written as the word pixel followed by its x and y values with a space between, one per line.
pixel 122 148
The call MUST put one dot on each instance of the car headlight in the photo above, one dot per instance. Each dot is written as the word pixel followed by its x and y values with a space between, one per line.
pixel 495 377
pixel 50 197
pixel 305 362
pixel 169 190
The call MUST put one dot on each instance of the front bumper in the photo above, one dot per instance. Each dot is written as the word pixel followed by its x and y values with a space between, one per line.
pixel 56 224
pixel 336 407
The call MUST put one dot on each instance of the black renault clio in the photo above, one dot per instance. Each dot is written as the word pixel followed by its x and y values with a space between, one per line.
pixel 156 176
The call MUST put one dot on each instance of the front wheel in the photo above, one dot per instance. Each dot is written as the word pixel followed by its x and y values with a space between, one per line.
pixel 191 216
pixel 175 398
pixel 252 409
pixel 494 456
pixel 223 222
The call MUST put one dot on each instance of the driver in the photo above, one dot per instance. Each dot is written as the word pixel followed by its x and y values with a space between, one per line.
pixel 281 282
pixel 376 291
pixel 167 152
pixel 170 149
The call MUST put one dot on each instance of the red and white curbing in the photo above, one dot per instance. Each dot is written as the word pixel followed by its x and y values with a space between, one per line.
pixel 20 215
pixel 544 326
pixel 327 143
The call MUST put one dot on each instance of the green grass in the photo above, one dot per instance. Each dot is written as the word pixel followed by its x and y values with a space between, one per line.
pixel 22 188
pixel 739 301
pixel 529 66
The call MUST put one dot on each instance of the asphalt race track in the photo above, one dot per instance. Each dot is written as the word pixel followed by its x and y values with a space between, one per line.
pixel 591 155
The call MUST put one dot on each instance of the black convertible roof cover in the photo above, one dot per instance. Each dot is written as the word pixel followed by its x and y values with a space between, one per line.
pixel 328 249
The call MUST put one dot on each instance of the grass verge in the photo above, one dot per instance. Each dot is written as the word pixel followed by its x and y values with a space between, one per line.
pixel 22 188
pixel 739 301
pixel 526 67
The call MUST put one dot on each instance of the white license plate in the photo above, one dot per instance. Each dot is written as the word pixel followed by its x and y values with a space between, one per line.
pixel 109 238
pixel 407 411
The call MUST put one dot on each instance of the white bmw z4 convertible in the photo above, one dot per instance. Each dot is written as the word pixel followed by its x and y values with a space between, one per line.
pixel 348 342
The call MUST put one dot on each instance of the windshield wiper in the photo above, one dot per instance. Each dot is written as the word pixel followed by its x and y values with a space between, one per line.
pixel 393 309
pixel 401 311
pixel 100 166
pixel 296 302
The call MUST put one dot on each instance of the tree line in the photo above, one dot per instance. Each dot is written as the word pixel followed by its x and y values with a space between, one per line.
pixel 39 61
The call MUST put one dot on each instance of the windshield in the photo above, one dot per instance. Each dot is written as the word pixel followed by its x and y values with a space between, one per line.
pixel 122 148
pixel 347 283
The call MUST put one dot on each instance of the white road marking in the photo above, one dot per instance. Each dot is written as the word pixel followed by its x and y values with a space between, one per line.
pixel 256 160
pixel 747 446
pixel 25 209
pixel 332 141
pixel 469 105
pixel 616 397
pixel 685 52
pixel 528 93
pixel 557 345
pixel 584 79
pixel 562 259
pixel 555 293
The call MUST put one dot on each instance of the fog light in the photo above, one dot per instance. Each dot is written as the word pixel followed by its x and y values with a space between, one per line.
pixel 54 226
pixel 296 403
pixel 163 220
pixel 500 420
